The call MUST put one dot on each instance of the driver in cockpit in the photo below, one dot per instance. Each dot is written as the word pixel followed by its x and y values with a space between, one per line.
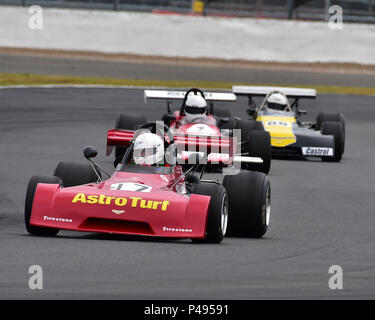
pixel 277 101
pixel 196 111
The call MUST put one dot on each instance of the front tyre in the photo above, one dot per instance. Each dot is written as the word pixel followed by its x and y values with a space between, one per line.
pixel 249 195
pixel 217 219
pixel 335 129
pixel 30 193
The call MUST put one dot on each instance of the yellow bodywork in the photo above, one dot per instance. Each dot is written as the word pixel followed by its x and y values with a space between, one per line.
pixel 280 129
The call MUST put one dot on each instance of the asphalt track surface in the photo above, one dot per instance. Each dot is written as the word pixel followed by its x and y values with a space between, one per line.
pixel 322 213
pixel 130 70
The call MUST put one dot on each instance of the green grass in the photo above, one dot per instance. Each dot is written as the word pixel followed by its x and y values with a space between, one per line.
pixel 7 79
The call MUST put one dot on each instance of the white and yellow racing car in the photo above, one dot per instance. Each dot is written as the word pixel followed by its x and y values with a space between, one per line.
pixel 289 136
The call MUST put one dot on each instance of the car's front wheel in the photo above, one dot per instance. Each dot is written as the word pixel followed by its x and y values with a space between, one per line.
pixel 30 193
pixel 217 220
pixel 335 129
pixel 249 195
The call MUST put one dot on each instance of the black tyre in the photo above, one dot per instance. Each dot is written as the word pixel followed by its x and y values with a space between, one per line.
pixel 31 188
pixel 331 116
pixel 128 122
pixel 260 146
pixel 255 142
pixel 218 212
pixel 75 174
pixel 335 129
pixel 249 195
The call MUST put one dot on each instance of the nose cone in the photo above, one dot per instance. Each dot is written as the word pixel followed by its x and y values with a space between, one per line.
pixel 281 131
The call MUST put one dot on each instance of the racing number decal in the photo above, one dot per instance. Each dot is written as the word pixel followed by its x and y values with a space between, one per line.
pixel 131 186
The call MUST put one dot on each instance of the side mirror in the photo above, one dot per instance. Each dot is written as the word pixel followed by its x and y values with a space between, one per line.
pixel 224 120
pixel 251 112
pixel 90 152
pixel 168 118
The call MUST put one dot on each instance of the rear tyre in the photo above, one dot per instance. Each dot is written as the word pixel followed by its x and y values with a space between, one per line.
pixel 255 142
pixel 335 129
pixel 249 195
pixel 260 146
pixel 217 219
pixel 30 193
pixel 75 174
pixel 128 122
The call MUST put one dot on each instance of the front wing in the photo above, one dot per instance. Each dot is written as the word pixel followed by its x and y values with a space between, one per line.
pixel 64 208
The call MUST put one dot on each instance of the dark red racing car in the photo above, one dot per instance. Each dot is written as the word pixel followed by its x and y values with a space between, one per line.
pixel 198 127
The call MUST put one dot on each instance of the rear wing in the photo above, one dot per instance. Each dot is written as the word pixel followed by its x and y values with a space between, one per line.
pixel 258 91
pixel 180 95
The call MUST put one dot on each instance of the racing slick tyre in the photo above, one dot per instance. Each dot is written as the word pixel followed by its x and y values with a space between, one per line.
pixel 31 188
pixel 217 219
pixel 331 116
pixel 129 122
pixel 75 174
pixel 249 195
pixel 259 146
pixel 255 142
pixel 335 129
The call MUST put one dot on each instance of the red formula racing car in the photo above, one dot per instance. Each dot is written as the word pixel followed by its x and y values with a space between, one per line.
pixel 198 127
pixel 161 200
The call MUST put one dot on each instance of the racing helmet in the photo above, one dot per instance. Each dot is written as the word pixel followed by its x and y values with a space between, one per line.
pixel 148 149
pixel 277 101
pixel 195 107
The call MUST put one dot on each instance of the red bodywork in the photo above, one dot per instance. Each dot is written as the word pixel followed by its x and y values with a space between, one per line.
pixel 190 137
pixel 104 208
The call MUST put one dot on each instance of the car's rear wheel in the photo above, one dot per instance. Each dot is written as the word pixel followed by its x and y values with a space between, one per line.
pixel 30 193
pixel 249 195
pixel 217 220
pixel 75 174
pixel 128 122
pixel 335 129
pixel 255 142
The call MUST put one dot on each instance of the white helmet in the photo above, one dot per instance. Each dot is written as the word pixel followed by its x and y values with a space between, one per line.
pixel 276 101
pixel 195 107
pixel 148 149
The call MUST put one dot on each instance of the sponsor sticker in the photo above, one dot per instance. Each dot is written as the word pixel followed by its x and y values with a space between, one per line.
pixel 316 151
pixel 133 202
pixel 167 229
pixel 131 186
pixel 46 218
pixel 278 123
pixel 201 129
